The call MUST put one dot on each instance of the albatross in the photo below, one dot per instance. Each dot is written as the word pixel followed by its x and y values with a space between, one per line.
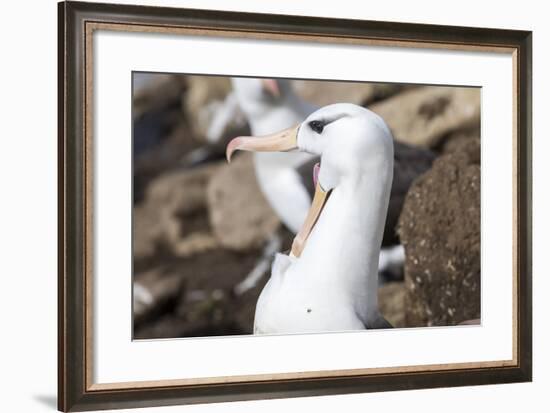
pixel 272 104
pixel 329 281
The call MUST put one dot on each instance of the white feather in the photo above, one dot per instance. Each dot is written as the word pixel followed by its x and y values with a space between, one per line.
pixel 333 285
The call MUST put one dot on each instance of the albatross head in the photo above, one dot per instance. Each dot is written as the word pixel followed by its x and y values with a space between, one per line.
pixel 349 139
pixel 260 94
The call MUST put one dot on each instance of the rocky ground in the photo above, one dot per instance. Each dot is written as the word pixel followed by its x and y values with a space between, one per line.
pixel 201 225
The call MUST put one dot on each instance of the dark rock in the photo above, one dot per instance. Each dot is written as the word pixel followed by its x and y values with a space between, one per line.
pixel 155 291
pixel 409 163
pixel 440 229
pixel 155 92
pixel 157 124
pixel 202 303
pixel 391 301
pixel 163 157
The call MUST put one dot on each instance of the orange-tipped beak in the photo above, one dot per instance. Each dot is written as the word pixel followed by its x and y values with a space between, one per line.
pixel 319 201
pixel 282 141
pixel 272 87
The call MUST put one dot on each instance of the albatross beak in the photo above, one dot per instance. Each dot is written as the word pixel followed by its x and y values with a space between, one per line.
pixel 272 87
pixel 319 200
pixel 283 141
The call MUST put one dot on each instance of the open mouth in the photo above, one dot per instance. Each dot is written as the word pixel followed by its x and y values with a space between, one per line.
pixel 284 141
pixel 316 169
pixel 320 198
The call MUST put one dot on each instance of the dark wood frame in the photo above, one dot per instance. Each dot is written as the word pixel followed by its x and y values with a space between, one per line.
pixel 75 392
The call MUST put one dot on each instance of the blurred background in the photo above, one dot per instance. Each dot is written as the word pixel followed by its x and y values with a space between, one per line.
pixel 199 266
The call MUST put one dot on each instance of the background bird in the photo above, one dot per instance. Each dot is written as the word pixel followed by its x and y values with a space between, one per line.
pixel 270 105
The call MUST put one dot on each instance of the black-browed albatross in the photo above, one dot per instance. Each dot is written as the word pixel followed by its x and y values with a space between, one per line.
pixel 329 282
pixel 285 179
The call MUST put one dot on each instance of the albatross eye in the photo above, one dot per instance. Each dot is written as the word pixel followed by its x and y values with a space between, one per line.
pixel 316 126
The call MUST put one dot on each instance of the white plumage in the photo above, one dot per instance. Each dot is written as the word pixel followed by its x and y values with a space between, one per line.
pixel 331 282
pixel 270 105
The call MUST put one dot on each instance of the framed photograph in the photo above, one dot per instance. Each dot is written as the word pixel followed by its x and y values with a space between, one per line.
pixel 263 206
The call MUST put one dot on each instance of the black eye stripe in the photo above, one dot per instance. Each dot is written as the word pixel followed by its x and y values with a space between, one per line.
pixel 317 126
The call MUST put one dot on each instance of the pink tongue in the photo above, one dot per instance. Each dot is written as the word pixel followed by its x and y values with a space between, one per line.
pixel 316 169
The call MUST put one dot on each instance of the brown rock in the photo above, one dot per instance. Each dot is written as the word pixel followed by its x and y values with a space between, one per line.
pixel 203 90
pixel 240 216
pixel 323 93
pixel 182 192
pixel 423 116
pixel 464 141
pixel 440 229
pixel 391 301
pixel 409 163
pixel 474 322
pixel 196 243
pixel 147 231
pixel 174 209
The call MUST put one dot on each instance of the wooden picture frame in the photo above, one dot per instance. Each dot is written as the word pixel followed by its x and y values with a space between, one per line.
pixel 77 21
